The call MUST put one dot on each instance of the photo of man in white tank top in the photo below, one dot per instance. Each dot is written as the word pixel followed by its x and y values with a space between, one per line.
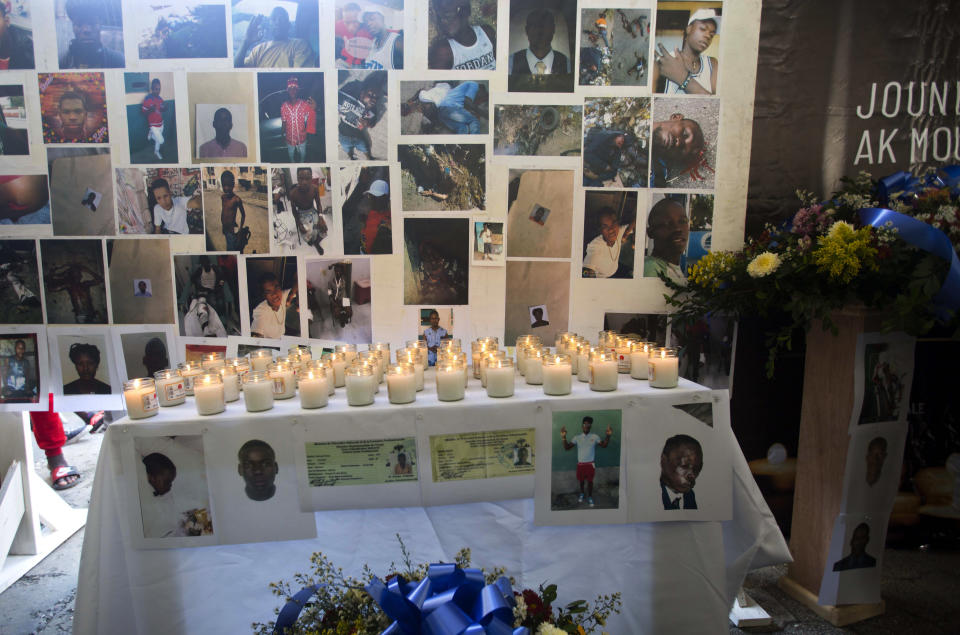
pixel 460 45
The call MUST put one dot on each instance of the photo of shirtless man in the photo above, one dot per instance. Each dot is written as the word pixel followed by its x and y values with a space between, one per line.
pixel 230 204
pixel 305 198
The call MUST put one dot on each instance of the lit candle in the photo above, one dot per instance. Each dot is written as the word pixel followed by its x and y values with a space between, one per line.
pixel 401 383
pixel 208 394
pixel 372 359
pixel 361 385
pixel 450 376
pixel 572 349
pixel 260 359
pixel 486 360
pixel 349 353
pixel 303 353
pixel 171 390
pixel 231 383
pixel 407 356
pixel 557 375
pixel 624 349
pixel 339 364
pixel 140 396
pixel 500 378
pixel 448 357
pixel 384 349
pixel 603 371
pixel 638 360
pixel 533 362
pixel 313 389
pixel 422 350
pixel 211 360
pixel 328 371
pixel 241 365
pixel 258 391
pixel 583 361
pixel 663 368
pixel 284 383
pixel 189 371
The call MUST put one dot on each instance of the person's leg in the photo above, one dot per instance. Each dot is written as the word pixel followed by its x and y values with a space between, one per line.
pixel 302 149
pixel 459 120
pixel 291 152
pixel 48 431
pixel 347 143
pixel 233 241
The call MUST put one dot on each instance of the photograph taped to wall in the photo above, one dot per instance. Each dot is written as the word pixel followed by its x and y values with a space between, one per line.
pixel 445 107
pixel 616 137
pixel 687 48
pixel 668 236
pixel 24 204
pixel 90 34
pixel 183 29
pixel 221 131
pixel 369 34
pixel 443 177
pixel 609 229
pixel 872 471
pixel 159 201
pixel 340 300
pixel 488 248
pixel 14 137
pixel 462 35
pixel 854 563
pixel 684 142
pixel 151 117
pixel 85 363
pixel 367 223
pixel 235 209
pixel 542 41
pixel 145 352
pixel 434 326
pixel 614 47
pixel 883 377
pixel 141 287
pixel 195 353
pixel 21 381
pixel 540 213
pixel 208 295
pixel 290 112
pixel 19 283
pixel 302 210
pixel 73 281
pixel 73 108
pixel 275 34
pixel 536 130
pixel 362 132
pixel 536 283
pixel 273 297
pixel 589 478
pixel 436 266
pixel 75 174
pixel 17 39
pixel 647 327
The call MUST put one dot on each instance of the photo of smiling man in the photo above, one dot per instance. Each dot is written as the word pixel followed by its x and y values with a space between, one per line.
pixel 668 231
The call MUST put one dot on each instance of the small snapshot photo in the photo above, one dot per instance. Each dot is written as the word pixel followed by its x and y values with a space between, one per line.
pixel 534 130
pixel 585 469
pixel 245 349
pixel 73 281
pixel 536 283
pixel 542 41
pixel 257 466
pixel 445 107
pixel 91 198
pixel 19 283
pixel 340 300
pixel 540 213
pixel 172 486
pixel 235 209
pixel 647 327
pixel 887 367
pixel 73 108
pixel 872 473
pixel 85 364
pixel 269 34
pixel 614 47
pixel 462 35
pixel 435 263
pixel 434 326
pixel 19 35
pixel 89 34
pixel 361 109
pixel 159 201
pixel 145 353
pixel 539 316
pixel 681 461
pixel 443 177
pixel 24 199
pixel 81 191
pixel 290 111
pixel 13 121
pixel 488 244
pixel 367 224
pixel 616 141
pixel 142 288
pixel 609 231
pixel 221 131
pixel 684 142
pixel 195 353
pixel 687 48
pixel 208 295
pixel 19 368
pixel 668 236
pixel 151 117
pixel 272 297
pixel 302 209
pixel 183 29
pixel 852 571
pixel 369 34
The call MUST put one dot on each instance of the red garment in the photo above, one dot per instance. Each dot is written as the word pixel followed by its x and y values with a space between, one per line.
pixel 374 220
pixel 586 471
pixel 153 108
pixel 312 124
pixel 294 117
pixel 349 33
pixel 48 430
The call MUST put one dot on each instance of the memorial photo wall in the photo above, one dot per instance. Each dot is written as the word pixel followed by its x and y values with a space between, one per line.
pixel 372 159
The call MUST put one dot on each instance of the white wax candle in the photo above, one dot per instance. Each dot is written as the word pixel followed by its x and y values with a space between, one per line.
pixel 258 395
pixel 603 375
pixel 189 376
pixel 583 366
pixel 638 364
pixel 284 383
pixel 450 384
pixel 360 389
pixel 534 368
pixel 209 397
pixel 624 360
pixel 500 381
pixel 557 379
pixel 231 387
pixel 418 370
pixel 141 400
pixel 663 372
pixel 314 392
pixel 216 362
pixel 521 364
pixel 349 356
pixel 402 388
pixel 339 366
pixel 171 391
pixel 574 361
pixel 260 363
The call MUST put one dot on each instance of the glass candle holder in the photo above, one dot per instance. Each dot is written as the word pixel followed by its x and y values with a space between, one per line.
pixel 327 369
pixel 284 382
pixel 477 350
pixel 451 373
pixel 349 352
pixel 607 339
pixel 260 359
pixel 303 353
pixel 407 356
pixel 314 389
pixel 422 350
pixel 140 397
pixel 189 371
pixel 338 363
pixel 373 359
pixel 456 357
pixel 361 384
pixel 258 391
pixel 500 378
pixel 171 389
pixel 603 371
pixel 583 361
pixel 624 349
pixel 572 349
pixel 560 341
pixel 557 375
pixel 533 364
pixel 384 349
pixel 489 357
pixel 663 367
pixel 639 359
pixel 241 365
pixel 231 383
pixel 212 360
pixel 208 394
pixel 401 383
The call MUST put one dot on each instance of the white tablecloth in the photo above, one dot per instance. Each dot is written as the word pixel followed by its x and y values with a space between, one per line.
pixel 677 577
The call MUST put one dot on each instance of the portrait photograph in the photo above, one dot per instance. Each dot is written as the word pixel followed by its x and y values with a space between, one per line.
pixel 20 378
pixel 854 562
pixel 361 111
pixel 24 200
pixel 683 142
pixel 706 350
pixel 196 353
pixel 443 177
pixel 535 130
pixel 542 41
pixel 369 34
pixel 273 301
pixel 159 200
pixel 73 280
pixel 223 116
pixel 85 364
pixel 235 209
pixel 291 120
pixel 366 213
pixel 585 460
pixel 616 133
pixel 487 240
pixel 17 38
pixel 78 178
pixel 303 210
pixel 20 283
pixel 73 108
pixel 445 107
pixel 145 353
pixel 647 327
pixel 462 35
pixel 540 213
pixel 614 47
pixel 208 295
pixel 141 286
pixel 536 283
pixel 221 131
pixel 667 236
pixel 884 377
pixel 151 117
pixel 539 316
pixel 269 34
pixel 427 331
pixel 435 265
pixel 872 473
pixel 89 34
pixel 686 56
pixel 340 300
pixel 14 137
pixel 181 30
pixel 609 233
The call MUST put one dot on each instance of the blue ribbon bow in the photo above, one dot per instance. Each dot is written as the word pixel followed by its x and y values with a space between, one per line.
pixel 449 601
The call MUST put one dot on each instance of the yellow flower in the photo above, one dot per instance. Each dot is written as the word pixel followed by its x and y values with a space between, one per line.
pixel 763 265
pixel 840 229
pixel 709 271
pixel 844 252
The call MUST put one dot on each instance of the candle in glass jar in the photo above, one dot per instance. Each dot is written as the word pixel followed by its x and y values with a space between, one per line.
pixel 303 353
pixel 140 397
pixel 638 360
pixel 211 360
pixel 533 363
pixel 314 392
pixel 486 360
pixel 663 368
pixel 624 349
pixel 327 369
pixel 384 349
pixel 241 365
pixel 448 357
pixel 349 352
pixel 189 371
pixel 603 371
pixel 450 376
pixel 171 390
pixel 284 385
pixel 208 394
pixel 500 378
pixel 338 362
pixel 583 362
pixel 260 359
pixel 557 375
pixel 231 383
pixel 258 391
pixel 422 350
pixel 361 385
pixel 401 383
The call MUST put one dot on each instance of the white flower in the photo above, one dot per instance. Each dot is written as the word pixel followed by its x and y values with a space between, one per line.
pixel 519 611
pixel 549 629
pixel 763 265
pixel 841 229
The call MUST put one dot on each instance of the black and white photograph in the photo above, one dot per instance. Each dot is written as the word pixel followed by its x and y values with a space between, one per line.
pixel 451 177
pixel 686 57
pixel 488 244
pixel 208 295
pixel 73 280
pixel 609 234
pixel 20 378
pixel 24 201
pixel 683 142
pixel 151 117
pixel 445 107
pixel 542 46
pixel 536 283
pixel 145 353
pixel 273 299
pixel 340 300
pixel 159 201
pixel 85 364
pixel 78 178
pixel 540 213
pixel 302 209
pixel 539 316
pixel 182 30
pixel 268 34
pixel 291 120
pixel 361 110
pixel 616 138
pixel 235 209
pixel 366 210
pixel 141 286
pixel 436 264
pixel 537 130
pixel 614 47
pixel 462 35
pixel 369 34
pixel 20 283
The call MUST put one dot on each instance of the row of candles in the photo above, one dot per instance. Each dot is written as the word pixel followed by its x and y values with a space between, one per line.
pixel 261 378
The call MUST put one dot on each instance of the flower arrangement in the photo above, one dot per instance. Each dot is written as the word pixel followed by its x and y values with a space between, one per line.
pixel 826 257
pixel 343 605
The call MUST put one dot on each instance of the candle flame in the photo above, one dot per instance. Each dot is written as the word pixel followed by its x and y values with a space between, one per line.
pixel 663 354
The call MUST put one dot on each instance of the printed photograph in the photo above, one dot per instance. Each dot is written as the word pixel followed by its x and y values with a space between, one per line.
pixel 687 48
pixel 221 131
pixel 681 462
pixel 539 316
pixel 141 287
pixel 151 117
pixel 16 38
pixel 208 295
pixel 668 236
pixel 434 326
pixel 245 349
pixel 615 141
pixel 585 469
pixel 81 191
pixel 339 299
pixel 24 199
pixel 462 35
pixel 488 244
pixel 614 47
pixel 647 327
pixel 443 177
pixel 180 29
pixel 609 231
pixel 159 201
pixel 89 34
pixel 542 41
pixel 540 213
pixel 195 353
pixel 533 130
pixel 857 556
pixel 235 209
pixel 257 466
pixel 445 107
pixel 85 364
pixel 361 109
pixel 282 34
pixel 684 142
pixel 14 139
pixel 290 107
pixel 536 284
pixel 73 281
pixel 369 34
pixel 19 368
pixel 435 265
pixel 302 209
pixel 887 371
pixel 145 353
pixel 367 224
pixel 172 486
pixel 706 349
pixel 272 298
pixel 20 283
pixel 73 108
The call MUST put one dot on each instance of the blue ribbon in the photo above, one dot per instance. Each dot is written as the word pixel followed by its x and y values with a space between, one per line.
pixel 449 601
pixel 909 186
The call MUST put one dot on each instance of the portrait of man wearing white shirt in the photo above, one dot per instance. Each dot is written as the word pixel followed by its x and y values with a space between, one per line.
pixel 269 318
pixel 602 256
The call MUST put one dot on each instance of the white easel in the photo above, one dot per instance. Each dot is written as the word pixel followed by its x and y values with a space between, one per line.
pixel 34 520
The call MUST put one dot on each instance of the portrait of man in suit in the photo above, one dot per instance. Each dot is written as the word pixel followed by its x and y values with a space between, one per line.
pixel 680 464
pixel 858 558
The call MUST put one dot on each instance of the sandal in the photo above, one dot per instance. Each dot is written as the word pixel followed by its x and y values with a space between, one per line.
pixel 60 474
